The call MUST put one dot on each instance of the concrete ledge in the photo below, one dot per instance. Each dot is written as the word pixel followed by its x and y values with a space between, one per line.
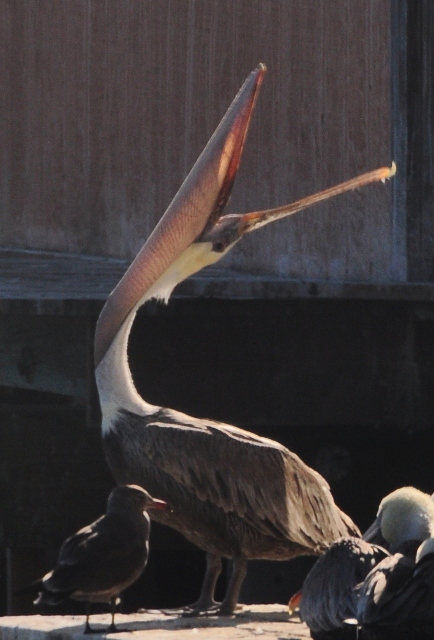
pixel 265 621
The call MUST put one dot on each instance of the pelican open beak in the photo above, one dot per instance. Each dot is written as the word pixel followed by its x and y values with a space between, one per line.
pixel 196 207
pixel 194 219
pixel 228 229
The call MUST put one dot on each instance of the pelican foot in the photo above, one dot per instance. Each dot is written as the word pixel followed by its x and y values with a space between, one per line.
pixel 216 609
pixel 198 608
pixel 199 612
pixel 185 612
pixel 179 611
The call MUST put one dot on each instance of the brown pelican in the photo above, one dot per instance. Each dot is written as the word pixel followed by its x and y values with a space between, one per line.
pixel 238 495
pixel 101 560
pixel 331 592
pixel 398 594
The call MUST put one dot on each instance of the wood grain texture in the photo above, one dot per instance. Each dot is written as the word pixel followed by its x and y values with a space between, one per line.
pixel 54 283
pixel 420 175
pixel 106 106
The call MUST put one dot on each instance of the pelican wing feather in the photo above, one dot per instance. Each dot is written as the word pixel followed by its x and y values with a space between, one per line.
pixel 257 479
pixel 398 592
pixel 380 587
pixel 329 593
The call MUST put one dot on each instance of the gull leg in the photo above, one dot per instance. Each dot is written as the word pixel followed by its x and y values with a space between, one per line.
pixel 112 628
pixel 87 627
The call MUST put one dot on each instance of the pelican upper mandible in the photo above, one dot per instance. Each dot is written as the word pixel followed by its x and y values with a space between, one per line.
pixel 237 495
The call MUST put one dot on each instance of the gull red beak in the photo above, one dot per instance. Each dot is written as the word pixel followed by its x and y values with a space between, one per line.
pixel 159 504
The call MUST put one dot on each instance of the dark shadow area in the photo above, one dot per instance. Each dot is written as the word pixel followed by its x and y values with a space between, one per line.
pixel 347 385
pixel 172 578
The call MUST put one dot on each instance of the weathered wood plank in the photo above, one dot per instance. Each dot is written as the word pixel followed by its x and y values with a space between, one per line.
pixel 106 105
pixel 420 175
pixel 55 283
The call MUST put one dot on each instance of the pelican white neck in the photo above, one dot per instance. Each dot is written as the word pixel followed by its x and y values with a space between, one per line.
pixel 113 375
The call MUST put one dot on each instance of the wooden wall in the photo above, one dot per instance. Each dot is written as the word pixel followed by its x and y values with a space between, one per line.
pixel 105 106
pixel 420 182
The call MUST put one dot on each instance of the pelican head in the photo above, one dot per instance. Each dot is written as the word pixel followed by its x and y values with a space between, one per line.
pixel 404 515
pixel 193 232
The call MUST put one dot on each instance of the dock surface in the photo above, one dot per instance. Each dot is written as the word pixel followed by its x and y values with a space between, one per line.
pixel 264 621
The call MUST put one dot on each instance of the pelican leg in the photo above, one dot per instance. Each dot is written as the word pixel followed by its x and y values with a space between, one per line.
pixel 213 571
pixel 206 600
pixel 229 604
pixel 206 605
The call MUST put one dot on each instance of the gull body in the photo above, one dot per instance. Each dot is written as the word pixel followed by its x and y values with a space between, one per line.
pixel 101 560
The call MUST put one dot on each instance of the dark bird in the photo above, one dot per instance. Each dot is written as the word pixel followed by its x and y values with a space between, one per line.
pixel 238 495
pixel 101 560
pixel 397 597
pixel 331 592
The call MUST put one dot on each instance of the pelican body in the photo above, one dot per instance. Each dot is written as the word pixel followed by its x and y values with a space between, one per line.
pixel 398 595
pixel 358 580
pixel 330 595
pixel 237 495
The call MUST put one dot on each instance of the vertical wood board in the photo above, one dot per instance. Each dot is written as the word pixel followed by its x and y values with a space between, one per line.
pixel 420 174
pixel 106 106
